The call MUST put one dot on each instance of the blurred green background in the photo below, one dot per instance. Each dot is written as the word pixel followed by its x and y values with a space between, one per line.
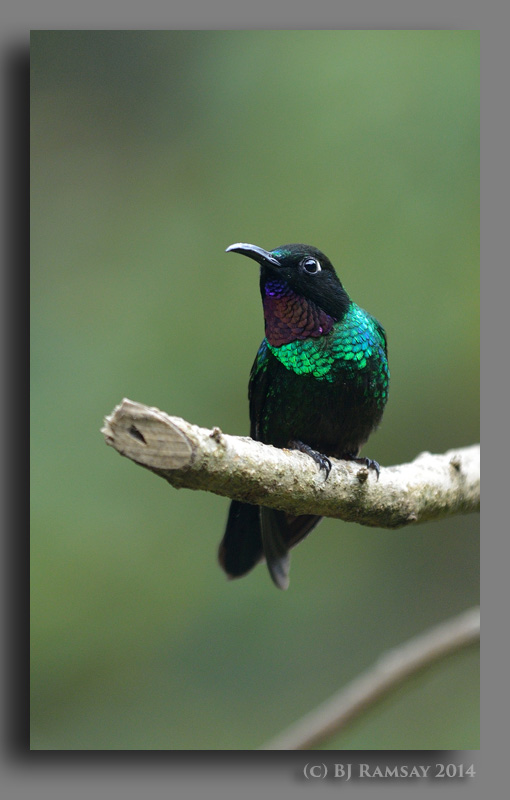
pixel 151 153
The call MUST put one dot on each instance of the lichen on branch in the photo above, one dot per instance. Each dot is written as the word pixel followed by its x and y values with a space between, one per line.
pixel 430 487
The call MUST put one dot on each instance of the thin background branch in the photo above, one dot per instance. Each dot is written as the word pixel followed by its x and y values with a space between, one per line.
pixel 389 672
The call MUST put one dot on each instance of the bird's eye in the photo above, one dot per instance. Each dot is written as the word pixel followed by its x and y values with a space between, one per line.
pixel 311 265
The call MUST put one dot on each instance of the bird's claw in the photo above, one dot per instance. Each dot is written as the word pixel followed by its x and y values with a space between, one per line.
pixel 320 459
pixel 369 463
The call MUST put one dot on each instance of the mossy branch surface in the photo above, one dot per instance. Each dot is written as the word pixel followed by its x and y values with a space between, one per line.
pixel 430 487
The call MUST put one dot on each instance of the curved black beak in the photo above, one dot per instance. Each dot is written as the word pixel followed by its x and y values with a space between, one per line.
pixel 252 251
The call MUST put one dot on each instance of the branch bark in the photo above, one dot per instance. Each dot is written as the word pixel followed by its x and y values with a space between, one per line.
pixel 430 487
pixel 389 672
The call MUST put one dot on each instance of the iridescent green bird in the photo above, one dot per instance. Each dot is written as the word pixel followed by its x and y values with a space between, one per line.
pixel 319 384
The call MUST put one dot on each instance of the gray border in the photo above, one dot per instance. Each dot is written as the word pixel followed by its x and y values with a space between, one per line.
pixel 198 774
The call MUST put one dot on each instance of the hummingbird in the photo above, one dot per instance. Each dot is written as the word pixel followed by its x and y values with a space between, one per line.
pixel 319 384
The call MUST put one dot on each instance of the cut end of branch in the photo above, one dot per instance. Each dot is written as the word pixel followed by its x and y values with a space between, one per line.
pixel 147 436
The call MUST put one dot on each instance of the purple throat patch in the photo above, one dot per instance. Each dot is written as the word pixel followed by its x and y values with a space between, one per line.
pixel 290 316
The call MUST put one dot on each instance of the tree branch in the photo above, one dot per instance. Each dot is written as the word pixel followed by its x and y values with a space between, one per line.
pixel 430 487
pixel 389 672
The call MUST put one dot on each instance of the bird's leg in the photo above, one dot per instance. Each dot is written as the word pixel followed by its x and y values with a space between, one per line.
pixel 320 459
pixel 369 463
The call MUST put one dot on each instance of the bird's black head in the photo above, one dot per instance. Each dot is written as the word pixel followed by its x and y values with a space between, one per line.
pixel 304 269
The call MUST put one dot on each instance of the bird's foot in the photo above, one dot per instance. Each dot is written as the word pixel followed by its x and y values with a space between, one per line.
pixel 320 459
pixel 369 463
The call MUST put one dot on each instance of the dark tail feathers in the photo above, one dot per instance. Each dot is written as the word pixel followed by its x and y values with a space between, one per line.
pixel 253 533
